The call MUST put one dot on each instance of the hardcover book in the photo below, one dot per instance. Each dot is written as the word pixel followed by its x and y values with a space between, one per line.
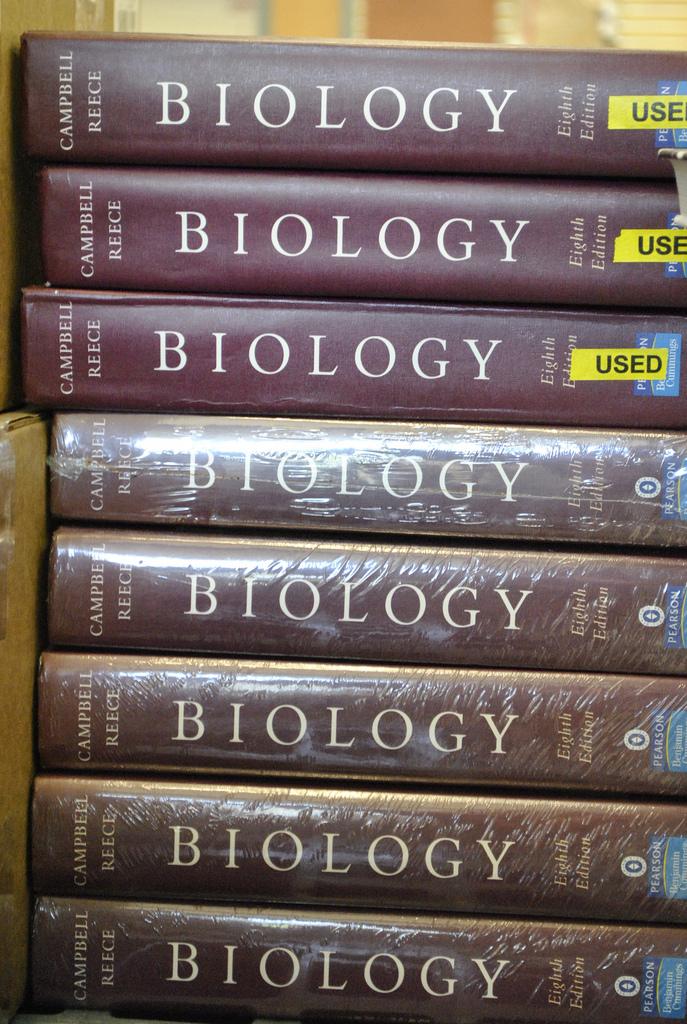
pixel 122 713
pixel 423 478
pixel 200 353
pixel 506 240
pixel 450 109
pixel 309 597
pixel 408 850
pixel 219 961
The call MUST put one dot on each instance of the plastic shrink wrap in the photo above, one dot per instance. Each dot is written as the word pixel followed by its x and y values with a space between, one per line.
pixel 408 361
pixel 524 483
pixel 406 850
pixel 175 960
pixel 305 597
pixel 117 713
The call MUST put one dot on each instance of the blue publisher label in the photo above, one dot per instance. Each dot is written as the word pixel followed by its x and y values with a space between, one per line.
pixel 667 867
pixel 674 269
pixel 671 138
pixel 670 387
pixel 674 490
pixel 675 634
pixel 663 987
pixel 669 741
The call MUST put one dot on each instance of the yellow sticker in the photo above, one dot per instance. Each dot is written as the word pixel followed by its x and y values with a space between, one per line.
pixel 651 245
pixel 647 112
pixel 619 364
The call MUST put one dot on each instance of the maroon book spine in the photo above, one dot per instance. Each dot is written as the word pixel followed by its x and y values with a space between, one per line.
pixel 402 108
pixel 566 609
pixel 422 478
pixel 181 353
pixel 117 713
pixel 376 236
pixel 414 850
pixel 374 967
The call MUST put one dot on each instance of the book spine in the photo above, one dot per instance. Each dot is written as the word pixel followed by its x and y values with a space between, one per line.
pixel 299 357
pixel 173 959
pixel 313 598
pixel 523 483
pixel 123 713
pixel 443 109
pixel 419 851
pixel 317 234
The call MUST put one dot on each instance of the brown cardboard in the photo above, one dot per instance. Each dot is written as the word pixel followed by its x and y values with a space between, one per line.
pixel 18 247
pixel 23 526
pixel 458 21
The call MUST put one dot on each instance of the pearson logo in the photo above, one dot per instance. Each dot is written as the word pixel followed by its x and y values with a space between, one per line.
pixel 636 739
pixel 676 617
pixel 651 615
pixel 619 363
pixel 674 501
pixel 633 867
pixel 627 985
pixel 667 877
pixel 669 741
pixel 663 992
pixel 648 487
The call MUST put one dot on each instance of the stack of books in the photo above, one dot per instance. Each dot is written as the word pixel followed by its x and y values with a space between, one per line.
pixel 379 715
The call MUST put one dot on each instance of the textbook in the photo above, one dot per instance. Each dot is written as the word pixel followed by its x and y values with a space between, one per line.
pixel 524 483
pixel 295 233
pixel 298 357
pixel 124 713
pixel 222 961
pixel 311 597
pixel 408 850
pixel 449 109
